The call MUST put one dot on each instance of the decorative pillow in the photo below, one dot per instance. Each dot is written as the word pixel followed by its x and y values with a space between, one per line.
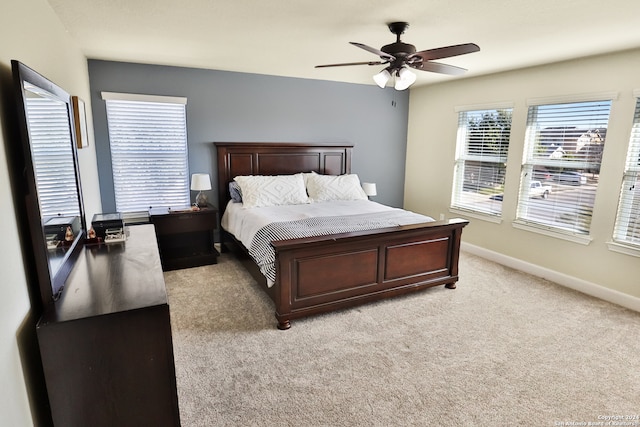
pixel 306 175
pixel 263 190
pixel 235 192
pixel 334 187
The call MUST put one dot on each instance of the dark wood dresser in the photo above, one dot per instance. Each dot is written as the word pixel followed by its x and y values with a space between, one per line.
pixel 185 238
pixel 106 344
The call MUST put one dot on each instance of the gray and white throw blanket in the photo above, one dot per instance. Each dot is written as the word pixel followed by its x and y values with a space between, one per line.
pixel 264 255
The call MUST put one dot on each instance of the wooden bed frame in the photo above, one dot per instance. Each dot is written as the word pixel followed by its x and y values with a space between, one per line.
pixel 322 274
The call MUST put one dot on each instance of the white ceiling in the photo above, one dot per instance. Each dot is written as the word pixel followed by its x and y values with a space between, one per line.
pixel 289 37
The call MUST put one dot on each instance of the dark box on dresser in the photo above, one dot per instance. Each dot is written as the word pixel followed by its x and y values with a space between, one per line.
pixel 102 222
pixel 58 225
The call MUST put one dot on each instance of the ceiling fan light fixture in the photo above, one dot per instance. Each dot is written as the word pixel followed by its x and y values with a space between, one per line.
pixel 382 78
pixel 404 79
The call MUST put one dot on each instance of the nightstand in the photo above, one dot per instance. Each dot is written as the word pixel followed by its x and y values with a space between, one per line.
pixel 185 238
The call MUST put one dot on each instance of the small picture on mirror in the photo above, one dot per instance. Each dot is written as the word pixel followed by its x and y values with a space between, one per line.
pixel 80 120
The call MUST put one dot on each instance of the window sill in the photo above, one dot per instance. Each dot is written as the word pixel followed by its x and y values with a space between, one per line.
pixel 624 249
pixel 477 215
pixel 575 238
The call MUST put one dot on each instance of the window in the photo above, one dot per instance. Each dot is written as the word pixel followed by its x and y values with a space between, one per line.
pixel 563 150
pixel 482 148
pixel 627 228
pixel 52 156
pixel 148 140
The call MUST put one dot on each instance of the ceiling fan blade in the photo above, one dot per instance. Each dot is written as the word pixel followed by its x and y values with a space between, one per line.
pixel 378 52
pixel 436 67
pixel 445 52
pixel 351 63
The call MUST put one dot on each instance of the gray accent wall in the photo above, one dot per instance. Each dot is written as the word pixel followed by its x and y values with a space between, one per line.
pixel 229 106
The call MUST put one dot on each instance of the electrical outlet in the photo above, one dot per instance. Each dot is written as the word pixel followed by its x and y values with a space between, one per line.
pixel 441 217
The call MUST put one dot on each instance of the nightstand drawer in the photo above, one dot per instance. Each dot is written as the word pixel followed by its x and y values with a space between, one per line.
pixel 174 223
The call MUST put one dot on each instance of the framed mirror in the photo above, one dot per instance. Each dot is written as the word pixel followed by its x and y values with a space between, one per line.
pixel 54 197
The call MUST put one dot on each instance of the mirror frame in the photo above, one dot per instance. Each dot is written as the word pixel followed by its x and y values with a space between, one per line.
pixel 51 284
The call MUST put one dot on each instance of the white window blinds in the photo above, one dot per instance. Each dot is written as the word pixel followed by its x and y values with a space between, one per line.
pixel 564 145
pixel 52 155
pixel 627 227
pixel 482 149
pixel 148 140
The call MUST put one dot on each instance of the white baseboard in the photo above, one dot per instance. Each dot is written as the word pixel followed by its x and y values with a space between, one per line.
pixel 580 285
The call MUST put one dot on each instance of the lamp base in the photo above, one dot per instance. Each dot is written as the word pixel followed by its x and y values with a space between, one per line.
pixel 201 200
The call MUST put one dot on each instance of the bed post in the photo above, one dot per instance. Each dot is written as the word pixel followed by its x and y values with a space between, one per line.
pixel 282 294
pixel 455 256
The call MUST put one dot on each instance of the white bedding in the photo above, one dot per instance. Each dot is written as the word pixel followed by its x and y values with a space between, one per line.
pixel 244 224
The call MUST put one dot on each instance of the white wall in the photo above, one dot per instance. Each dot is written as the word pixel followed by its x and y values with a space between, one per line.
pixel 32 34
pixel 431 153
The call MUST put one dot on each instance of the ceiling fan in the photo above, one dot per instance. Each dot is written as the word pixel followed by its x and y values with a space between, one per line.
pixel 401 56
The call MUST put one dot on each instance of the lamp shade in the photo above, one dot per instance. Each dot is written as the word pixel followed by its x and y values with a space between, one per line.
pixel 404 79
pixel 200 182
pixel 369 188
pixel 382 78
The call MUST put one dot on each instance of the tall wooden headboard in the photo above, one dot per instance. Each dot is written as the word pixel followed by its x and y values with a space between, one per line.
pixel 269 158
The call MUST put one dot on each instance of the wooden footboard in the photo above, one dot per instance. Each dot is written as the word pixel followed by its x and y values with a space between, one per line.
pixel 322 274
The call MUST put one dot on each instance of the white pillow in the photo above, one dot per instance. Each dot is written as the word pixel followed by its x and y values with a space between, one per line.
pixel 264 190
pixel 334 187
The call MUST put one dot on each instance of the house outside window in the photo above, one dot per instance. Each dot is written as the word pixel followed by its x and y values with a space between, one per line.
pixel 148 141
pixel 627 227
pixel 481 158
pixel 563 151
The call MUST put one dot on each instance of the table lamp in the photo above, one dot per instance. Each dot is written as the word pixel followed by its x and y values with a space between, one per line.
pixel 369 188
pixel 201 182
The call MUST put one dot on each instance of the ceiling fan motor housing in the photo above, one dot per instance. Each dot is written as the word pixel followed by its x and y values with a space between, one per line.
pixel 398 49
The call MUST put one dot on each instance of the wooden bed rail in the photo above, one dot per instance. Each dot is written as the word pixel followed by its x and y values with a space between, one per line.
pixel 282 245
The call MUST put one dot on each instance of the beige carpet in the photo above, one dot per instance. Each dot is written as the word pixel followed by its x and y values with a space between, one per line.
pixel 505 348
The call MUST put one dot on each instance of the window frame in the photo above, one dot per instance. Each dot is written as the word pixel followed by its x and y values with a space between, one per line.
pixel 629 196
pixel 172 147
pixel 529 162
pixel 463 156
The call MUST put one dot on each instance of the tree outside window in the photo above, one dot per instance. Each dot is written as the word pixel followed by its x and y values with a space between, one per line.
pixel 482 149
